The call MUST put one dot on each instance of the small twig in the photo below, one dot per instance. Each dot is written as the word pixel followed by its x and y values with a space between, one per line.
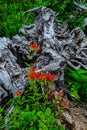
pixel 30 10
pixel 57 14
pixel 74 67
pixel 84 54
pixel 75 98
pixel 71 95
pixel 69 86
pixel 84 66
pixel 80 6
pixel 82 58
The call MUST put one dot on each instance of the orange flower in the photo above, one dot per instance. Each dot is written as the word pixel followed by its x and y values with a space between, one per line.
pixel 34 75
pixel 18 93
pixel 34 46
pixel 41 76
pixel 60 94
pixel 49 77
pixel 64 102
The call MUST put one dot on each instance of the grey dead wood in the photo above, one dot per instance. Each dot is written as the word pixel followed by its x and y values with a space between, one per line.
pixel 59 47
pixel 12 77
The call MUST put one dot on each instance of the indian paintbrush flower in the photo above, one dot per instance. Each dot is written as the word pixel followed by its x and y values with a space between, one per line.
pixel 18 93
pixel 60 94
pixel 41 76
pixel 64 102
pixel 34 47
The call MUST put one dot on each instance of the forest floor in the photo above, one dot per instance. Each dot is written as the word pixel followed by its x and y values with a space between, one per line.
pixel 75 117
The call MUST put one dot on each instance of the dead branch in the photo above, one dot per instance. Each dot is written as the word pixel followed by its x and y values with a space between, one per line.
pixel 73 66
pixel 30 10
pixel 84 66
pixel 80 6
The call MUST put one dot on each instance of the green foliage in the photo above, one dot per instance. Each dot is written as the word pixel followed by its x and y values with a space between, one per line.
pixel 2 120
pixel 11 18
pixel 31 111
pixel 64 7
pixel 78 81
pixel 11 12
pixel 38 120
pixel 77 19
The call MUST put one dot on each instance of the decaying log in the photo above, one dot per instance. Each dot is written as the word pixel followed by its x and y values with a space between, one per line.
pixel 59 47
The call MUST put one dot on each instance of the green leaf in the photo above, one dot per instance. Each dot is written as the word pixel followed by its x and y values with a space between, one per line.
pixel 48 112
pixel 74 89
pixel 1 110
pixel 42 126
pixel 27 107
pixel 32 128
pixel 62 128
pixel 55 128
pixel 40 114
pixel 29 57
pixel 28 65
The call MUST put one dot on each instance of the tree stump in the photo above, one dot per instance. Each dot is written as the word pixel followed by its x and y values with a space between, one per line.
pixel 59 47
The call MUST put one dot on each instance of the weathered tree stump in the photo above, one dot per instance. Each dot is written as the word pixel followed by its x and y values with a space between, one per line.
pixel 59 48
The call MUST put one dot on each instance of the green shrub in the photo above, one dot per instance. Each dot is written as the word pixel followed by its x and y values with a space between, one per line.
pixel 33 120
pixel 31 109
pixel 78 81
pixel 11 11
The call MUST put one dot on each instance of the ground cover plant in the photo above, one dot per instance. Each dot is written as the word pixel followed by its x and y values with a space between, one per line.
pixel 78 84
pixel 11 12
pixel 31 109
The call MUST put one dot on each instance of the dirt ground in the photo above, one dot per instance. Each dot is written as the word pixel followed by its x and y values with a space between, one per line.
pixel 75 117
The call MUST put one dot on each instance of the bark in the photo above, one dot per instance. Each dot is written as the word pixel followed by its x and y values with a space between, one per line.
pixel 12 77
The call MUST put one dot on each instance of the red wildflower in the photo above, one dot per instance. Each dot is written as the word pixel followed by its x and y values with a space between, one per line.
pixel 60 94
pixel 64 102
pixel 34 75
pixel 34 46
pixel 18 93
pixel 49 77
pixel 32 69
pixel 41 76
pixel 37 74
pixel 52 77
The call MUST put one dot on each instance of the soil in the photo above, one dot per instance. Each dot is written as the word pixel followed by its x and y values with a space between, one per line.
pixel 75 117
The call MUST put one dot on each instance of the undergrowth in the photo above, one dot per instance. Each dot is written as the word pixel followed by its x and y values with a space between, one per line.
pixel 12 19
pixel 32 109
pixel 78 82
